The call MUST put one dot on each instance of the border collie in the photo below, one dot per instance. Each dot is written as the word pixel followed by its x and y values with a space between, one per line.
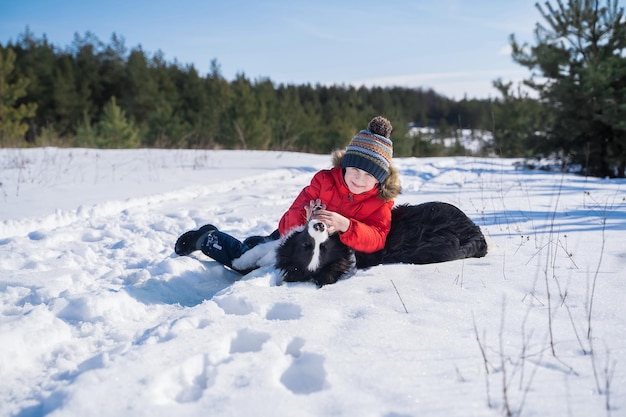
pixel 420 234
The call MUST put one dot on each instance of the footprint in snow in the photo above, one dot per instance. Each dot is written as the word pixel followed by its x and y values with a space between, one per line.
pixel 248 341
pixel 92 236
pixel 168 331
pixel 37 235
pixel 234 305
pixel 284 311
pixel 185 383
pixel 306 374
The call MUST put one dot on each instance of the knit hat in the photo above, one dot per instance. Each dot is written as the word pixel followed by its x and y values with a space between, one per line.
pixel 371 149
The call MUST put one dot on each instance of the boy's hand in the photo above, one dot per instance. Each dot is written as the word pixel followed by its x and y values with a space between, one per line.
pixel 334 221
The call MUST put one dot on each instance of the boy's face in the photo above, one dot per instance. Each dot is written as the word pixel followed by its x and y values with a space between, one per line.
pixel 359 181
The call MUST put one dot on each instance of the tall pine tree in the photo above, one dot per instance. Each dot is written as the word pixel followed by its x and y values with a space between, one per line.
pixel 12 114
pixel 580 56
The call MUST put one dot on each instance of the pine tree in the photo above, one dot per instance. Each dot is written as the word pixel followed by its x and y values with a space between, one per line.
pixel 580 55
pixel 517 123
pixel 140 89
pixel 114 130
pixel 68 105
pixel 12 115
pixel 248 116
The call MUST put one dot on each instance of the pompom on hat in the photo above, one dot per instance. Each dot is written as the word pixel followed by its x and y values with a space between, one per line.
pixel 371 149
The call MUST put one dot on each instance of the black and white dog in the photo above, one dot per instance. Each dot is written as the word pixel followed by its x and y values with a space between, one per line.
pixel 420 234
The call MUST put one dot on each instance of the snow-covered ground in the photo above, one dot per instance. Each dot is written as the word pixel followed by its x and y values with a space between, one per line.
pixel 473 141
pixel 98 316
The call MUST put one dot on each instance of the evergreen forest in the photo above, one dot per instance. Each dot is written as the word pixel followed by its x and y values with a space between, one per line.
pixel 91 93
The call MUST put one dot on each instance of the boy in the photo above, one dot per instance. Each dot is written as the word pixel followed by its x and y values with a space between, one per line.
pixel 354 199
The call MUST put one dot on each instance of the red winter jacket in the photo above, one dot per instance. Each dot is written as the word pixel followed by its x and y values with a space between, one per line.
pixel 369 213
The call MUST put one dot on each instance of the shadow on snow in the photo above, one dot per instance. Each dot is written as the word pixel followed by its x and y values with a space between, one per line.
pixel 189 289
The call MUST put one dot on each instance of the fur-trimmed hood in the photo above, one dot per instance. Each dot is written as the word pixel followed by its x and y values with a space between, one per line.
pixel 389 189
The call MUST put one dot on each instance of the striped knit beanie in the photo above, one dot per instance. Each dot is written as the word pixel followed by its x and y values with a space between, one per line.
pixel 371 149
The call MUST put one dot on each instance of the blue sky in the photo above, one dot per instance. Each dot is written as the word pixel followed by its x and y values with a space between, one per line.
pixel 456 47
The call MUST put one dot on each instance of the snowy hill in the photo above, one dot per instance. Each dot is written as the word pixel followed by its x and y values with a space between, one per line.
pixel 98 316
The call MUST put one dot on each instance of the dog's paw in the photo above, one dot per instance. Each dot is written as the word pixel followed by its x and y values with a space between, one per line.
pixel 313 206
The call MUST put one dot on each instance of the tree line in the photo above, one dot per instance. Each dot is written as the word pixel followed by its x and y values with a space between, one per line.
pixel 97 94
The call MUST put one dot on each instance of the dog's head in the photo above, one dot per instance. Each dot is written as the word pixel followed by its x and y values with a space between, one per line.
pixel 311 254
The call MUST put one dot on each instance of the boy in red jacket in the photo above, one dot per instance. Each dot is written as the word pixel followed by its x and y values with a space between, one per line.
pixel 356 197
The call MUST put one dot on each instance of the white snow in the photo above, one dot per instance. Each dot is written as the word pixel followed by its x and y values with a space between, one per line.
pixel 98 316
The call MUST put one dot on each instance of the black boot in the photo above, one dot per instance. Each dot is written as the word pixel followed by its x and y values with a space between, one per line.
pixel 191 241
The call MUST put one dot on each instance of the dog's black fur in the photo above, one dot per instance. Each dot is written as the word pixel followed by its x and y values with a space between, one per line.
pixel 420 234
pixel 294 255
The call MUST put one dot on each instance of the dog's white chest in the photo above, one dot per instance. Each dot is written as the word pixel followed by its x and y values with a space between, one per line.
pixel 317 230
